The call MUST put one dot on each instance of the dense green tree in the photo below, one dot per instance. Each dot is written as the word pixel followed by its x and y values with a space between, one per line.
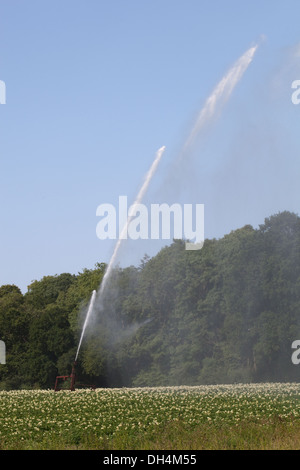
pixel 14 331
pixel 226 313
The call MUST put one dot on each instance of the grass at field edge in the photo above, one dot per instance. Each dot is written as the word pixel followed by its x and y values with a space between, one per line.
pixel 271 434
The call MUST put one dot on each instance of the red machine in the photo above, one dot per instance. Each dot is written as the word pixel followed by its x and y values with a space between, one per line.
pixel 65 377
pixel 72 382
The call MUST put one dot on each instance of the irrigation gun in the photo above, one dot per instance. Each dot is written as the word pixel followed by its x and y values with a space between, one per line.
pixel 72 376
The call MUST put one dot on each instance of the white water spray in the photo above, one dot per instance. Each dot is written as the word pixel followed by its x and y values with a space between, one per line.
pixel 110 265
pixel 90 309
pixel 138 200
pixel 221 94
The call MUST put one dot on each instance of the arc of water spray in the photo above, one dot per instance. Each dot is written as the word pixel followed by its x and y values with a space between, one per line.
pixel 221 93
pixel 138 200
pixel 219 96
pixel 90 309
pixel 110 265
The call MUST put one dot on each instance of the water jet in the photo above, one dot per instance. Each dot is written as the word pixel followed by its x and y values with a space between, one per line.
pixel 212 106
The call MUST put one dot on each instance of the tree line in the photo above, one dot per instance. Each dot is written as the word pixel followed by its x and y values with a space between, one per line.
pixel 223 314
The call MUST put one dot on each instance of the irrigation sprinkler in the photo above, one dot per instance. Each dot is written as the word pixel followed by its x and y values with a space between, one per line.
pixel 72 376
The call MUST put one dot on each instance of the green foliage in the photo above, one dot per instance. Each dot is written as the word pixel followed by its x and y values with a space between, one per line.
pixel 226 313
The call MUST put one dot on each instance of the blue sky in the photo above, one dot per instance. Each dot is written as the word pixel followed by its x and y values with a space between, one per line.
pixel 94 88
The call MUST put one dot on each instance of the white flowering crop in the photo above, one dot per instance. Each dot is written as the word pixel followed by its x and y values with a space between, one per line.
pixel 41 415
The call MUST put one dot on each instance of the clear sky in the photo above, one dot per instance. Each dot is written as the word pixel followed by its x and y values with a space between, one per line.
pixel 95 87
